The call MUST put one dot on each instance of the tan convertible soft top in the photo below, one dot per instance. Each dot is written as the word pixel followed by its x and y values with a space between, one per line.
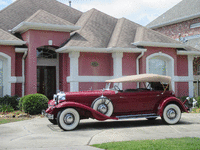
pixel 143 78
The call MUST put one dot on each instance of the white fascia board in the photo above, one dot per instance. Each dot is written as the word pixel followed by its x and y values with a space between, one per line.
pixel 188 53
pixel 175 21
pixel 9 42
pixel 67 49
pixel 24 26
pixel 21 50
pixel 159 44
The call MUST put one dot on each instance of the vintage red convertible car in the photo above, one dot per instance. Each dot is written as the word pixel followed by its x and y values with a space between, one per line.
pixel 154 99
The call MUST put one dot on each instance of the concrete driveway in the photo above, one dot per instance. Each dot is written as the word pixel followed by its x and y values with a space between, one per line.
pixel 42 135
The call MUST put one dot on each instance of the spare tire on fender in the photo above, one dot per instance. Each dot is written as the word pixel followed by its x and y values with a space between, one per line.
pixel 103 105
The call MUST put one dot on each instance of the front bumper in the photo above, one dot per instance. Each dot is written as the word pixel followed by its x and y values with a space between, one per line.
pixel 49 116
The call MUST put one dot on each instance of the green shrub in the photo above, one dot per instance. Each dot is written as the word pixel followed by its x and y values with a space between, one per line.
pixel 10 100
pixel 6 108
pixel 198 101
pixel 33 103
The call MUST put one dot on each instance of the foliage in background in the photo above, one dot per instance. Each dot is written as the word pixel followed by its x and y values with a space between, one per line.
pixel 33 103
pixel 12 101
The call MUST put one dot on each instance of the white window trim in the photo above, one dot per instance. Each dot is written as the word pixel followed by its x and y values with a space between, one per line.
pixel 170 62
pixel 7 72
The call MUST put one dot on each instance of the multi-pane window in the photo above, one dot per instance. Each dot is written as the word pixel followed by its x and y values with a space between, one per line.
pixel 157 66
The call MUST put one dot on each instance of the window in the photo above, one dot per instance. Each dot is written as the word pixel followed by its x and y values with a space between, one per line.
pixel 46 52
pixel 157 66
pixel 198 70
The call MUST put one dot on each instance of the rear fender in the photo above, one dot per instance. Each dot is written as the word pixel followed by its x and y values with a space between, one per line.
pixel 170 100
pixel 97 115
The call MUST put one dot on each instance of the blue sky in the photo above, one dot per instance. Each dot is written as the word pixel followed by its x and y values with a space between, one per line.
pixel 139 11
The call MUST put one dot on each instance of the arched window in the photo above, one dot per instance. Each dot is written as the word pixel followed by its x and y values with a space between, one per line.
pixel 157 66
pixel 46 52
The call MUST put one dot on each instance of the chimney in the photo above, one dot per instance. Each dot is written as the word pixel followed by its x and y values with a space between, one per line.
pixel 70 3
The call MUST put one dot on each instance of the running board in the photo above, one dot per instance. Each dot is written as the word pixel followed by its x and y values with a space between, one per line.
pixel 138 116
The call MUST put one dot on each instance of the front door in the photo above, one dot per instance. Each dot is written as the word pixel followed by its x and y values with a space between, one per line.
pixel 46 80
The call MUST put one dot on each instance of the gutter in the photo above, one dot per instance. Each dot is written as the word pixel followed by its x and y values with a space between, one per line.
pixel 137 65
pixel 67 49
pixel 188 52
pixel 159 44
pixel 24 26
pixel 10 42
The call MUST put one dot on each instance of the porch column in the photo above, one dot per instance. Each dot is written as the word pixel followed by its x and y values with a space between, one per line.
pixel 117 65
pixel 74 85
pixel 190 74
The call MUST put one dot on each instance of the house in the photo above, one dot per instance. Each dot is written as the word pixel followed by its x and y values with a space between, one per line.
pixel 182 22
pixel 46 45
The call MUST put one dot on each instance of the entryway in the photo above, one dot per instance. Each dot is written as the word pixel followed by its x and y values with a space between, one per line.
pixel 46 80
pixel 47 71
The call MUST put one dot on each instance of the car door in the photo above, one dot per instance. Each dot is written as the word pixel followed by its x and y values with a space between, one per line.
pixel 138 101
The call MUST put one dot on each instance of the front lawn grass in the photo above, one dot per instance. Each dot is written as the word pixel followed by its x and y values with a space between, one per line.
pixel 186 143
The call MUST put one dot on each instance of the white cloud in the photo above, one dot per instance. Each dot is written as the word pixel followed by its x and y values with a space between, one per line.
pixel 2 2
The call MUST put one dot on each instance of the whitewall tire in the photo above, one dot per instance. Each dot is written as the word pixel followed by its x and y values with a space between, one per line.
pixel 68 119
pixel 103 105
pixel 171 114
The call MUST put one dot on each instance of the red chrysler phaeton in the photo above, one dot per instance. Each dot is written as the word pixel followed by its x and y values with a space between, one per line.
pixel 154 99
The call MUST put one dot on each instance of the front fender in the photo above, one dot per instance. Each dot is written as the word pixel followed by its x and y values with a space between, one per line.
pixel 170 100
pixel 97 115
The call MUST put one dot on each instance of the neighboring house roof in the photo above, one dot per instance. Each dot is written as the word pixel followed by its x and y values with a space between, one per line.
pixel 9 39
pixel 185 10
pixel 20 10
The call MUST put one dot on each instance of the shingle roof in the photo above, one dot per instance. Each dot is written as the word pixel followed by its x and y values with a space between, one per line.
pixel 42 16
pixel 20 10
pixel 148 35
pixel 124 34
pixel 96 30
pixel 185 10
pixel 5 36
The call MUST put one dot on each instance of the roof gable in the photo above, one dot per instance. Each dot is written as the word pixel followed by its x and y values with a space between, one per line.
pixel 96 30
pixel 124 33
pixel 185 10
pixel 42 16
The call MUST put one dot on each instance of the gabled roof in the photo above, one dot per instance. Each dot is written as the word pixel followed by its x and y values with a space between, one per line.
pixel 124 34
pixel 42 20
pixel 9 39
pixel 185 10
pixel 20 10
pixel 96 30
pixel 42 16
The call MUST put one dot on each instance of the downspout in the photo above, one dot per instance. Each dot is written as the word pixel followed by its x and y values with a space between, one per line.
pixel 137 65
pixel 23 72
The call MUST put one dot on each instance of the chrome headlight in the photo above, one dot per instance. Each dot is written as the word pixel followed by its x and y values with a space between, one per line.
pixel 62 97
